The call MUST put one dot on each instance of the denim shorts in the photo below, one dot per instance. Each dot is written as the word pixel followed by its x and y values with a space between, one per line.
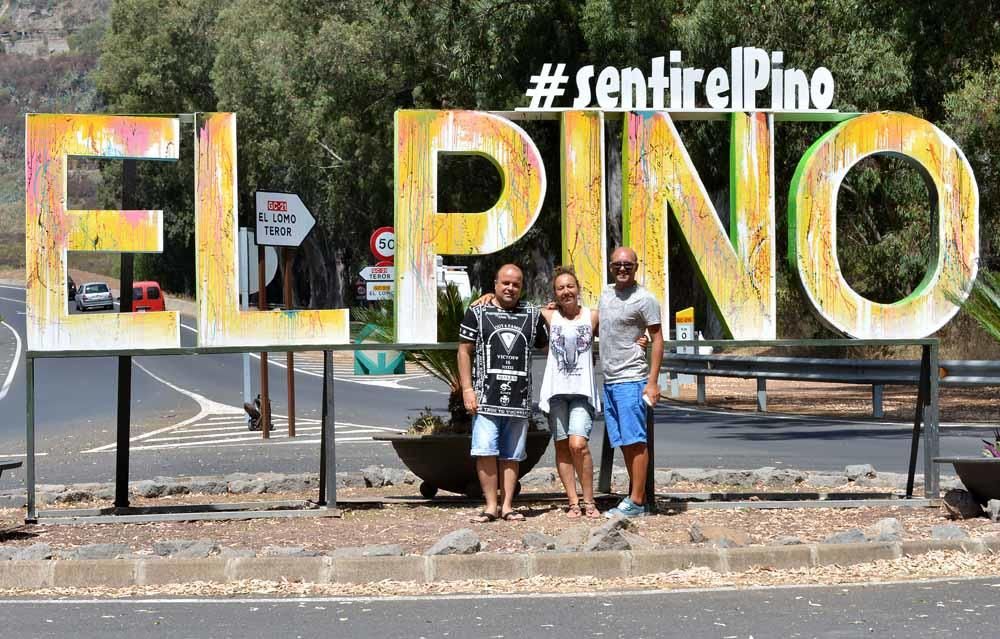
pixel 625 413
pixel 501 437
pixel 570 415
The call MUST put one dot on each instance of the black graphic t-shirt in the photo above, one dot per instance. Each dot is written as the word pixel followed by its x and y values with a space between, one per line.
pixel 502 370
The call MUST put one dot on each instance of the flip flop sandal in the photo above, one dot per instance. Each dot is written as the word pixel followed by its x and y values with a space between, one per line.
pixel 573 512
pixel 513 516
pixel 590 510
pixel 483 518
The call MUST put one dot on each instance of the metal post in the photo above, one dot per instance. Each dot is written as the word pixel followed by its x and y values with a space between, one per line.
pixel 244 305
pixel 701 390
pixel 651 456
pixel 124 412
pixel 761 395
pixel 607 463
pixel 877 390
pixel 265 400
pixel 932 472
pixel 923 387
pixel 328 443
pixel 289 356
pixel 29 442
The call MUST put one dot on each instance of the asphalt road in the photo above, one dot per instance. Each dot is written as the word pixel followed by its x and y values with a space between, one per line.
pixel 963 608
pixel 75 421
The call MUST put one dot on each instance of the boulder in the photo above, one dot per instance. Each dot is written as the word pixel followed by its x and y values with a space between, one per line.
pixel 960 504
pixel 716 535
pixel 187 548
pixel 383 550
pixel 236 553
pixel 993 509
pixel 606 540
pixel 853 472
pixel 98 551
pixel 948 532
pixel 351 480
pixel 787 540
pixel 397 477
pixel 373 476
pixel 33 552
pixel 852 536
pixel 148 488
pixel 539 477
pixel 825 480
pixel 458 542
pixel 538 541
pixel 288 551
pixel 208 486
pixel 572 538
pixel 244 487
pixel 663 477
pixel 888 529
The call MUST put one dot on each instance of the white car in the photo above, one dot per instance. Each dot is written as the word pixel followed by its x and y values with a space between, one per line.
pixel 94 295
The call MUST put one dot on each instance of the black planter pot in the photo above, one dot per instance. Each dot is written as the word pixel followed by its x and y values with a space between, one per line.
pixel 981 475
pixel 443 461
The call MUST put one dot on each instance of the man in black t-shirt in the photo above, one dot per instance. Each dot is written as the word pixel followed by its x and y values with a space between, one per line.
pixel 499 336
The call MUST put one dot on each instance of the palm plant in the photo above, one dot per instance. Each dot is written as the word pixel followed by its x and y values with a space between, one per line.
pixel 442 364
pixel 983 303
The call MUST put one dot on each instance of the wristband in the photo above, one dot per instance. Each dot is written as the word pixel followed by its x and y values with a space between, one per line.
pixel 469 390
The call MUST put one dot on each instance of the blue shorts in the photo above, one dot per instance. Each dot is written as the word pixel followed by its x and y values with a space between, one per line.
pixel 570 415
pixel 501 437
pixel 625 413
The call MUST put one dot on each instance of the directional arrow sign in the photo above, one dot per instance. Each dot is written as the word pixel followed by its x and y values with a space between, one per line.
pixel 282 219
pixel 378 273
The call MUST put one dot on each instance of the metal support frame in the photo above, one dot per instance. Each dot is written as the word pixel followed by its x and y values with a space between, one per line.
pixel 878 391
pixel 761 395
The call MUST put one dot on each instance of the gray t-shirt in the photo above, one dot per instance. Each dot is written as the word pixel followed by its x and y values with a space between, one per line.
pixel 625 315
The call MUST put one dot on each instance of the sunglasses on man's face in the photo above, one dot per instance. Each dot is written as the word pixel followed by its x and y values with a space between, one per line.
pixel 622 266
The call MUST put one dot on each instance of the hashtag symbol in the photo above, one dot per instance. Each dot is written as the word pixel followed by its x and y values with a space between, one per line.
pixel 547 85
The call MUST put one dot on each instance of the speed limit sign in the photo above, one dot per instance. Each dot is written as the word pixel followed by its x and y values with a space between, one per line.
pixel 383 243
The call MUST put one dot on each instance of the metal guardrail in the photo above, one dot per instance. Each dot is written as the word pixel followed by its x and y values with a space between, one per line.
pixel 878 373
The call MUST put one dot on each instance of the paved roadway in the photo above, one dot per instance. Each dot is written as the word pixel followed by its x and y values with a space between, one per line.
pixel 187 420
pixel 962 608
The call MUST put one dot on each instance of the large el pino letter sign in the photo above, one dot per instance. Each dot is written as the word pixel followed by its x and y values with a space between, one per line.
pixel 422 232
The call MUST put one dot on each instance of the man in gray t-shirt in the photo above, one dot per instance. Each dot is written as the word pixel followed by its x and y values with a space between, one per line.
pixel 627 310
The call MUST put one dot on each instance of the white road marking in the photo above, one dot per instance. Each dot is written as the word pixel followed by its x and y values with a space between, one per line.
pixel 589 594
pixel 810 418
pixel 13 368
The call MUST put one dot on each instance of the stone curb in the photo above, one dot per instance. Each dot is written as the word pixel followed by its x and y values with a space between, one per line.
pixel 120 573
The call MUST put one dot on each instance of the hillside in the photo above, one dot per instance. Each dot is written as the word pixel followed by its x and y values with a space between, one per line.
pixel 47 50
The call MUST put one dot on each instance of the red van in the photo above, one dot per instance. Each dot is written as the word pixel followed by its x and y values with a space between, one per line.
pixel 147 296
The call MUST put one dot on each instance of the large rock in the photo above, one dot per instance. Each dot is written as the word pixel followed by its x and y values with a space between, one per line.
pixel 663 477
pixel 397 477
pixel 888 529
pixel 608 536
pixel 852 536
pixel 33 552
pixel 572 538
pixel 993 509
pixel 742 478
pixel 207 486
pixel 186 548
pixel 351 480
pixel 73 496
pixel 288 551
pixel 948 532
pixel 98 551
pixel 148 488
pixel 236 553
pixel 539 477
pixel 244 487
pixel 288 484
pixel 609 540
pixel 458 542
pixel 719 536
pixel 538 541
pixel 825 480
pixel 959 504
pixel 770 476
pixel 373 476
pixel 787 540
pixel 383 550
pixel 696 475
pixel 853 472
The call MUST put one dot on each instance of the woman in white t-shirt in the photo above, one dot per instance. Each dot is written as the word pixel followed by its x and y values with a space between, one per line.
pixel 569 392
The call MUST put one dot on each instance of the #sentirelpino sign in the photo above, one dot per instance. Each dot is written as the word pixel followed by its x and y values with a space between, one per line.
pixel 658 180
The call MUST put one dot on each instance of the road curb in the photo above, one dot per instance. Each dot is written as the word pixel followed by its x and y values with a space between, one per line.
pixel 122 573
